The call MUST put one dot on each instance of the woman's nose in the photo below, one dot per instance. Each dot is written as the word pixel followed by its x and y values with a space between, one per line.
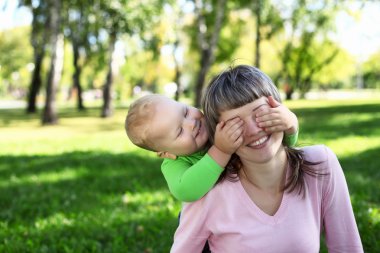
pixel 251 128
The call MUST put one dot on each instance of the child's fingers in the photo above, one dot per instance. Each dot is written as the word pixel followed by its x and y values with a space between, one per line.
pixel 272 102
pixel 263 111
pixel 269 123
pixel 232 125
pixel 233 121
pixel 269 116
pixel 236 134
pixel 230 128
pixel 239 141
pixel 274 129
pixel 220 126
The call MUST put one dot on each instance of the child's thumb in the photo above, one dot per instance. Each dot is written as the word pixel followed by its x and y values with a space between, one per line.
pixel 220 125
pixel 272 102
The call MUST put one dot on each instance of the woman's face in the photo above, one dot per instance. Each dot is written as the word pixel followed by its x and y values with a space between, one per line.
pixel 258 146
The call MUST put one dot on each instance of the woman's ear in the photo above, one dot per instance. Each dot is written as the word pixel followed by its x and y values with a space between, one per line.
pixel 165 154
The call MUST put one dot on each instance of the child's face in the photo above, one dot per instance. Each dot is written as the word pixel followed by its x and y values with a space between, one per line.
pixel 178 128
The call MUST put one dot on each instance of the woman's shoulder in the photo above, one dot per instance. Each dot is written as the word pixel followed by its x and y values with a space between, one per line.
pixel 326 162
pixel 317 153
pixel 221 191
pixel 221 195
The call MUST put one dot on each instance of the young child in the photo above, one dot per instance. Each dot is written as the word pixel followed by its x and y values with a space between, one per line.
pixel 177 132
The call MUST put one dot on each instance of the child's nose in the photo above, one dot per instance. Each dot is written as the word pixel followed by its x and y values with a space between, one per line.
pixel 190 123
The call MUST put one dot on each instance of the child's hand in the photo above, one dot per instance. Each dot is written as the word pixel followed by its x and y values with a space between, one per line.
pixel 228 135
pixel 277 118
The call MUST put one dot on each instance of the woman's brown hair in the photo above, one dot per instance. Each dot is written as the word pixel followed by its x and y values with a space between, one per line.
pixel 235 88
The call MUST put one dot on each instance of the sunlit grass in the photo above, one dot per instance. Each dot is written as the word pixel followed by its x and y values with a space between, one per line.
pixel 47 177
pixel 81 186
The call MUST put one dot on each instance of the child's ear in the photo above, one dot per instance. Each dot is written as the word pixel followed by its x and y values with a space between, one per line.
pixel 165 154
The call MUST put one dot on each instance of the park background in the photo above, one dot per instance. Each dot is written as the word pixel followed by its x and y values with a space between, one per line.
pixel 70 179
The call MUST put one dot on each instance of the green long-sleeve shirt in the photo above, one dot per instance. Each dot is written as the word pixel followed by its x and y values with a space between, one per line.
pixel 190 177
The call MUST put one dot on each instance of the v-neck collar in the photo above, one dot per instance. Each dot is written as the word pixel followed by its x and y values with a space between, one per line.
pixel 260 214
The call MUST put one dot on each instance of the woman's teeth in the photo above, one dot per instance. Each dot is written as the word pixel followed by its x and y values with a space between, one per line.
pixel 259 141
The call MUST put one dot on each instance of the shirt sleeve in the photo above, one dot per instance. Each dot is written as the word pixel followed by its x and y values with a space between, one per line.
pixel 291 139
pixel 189 182
pixel 342 234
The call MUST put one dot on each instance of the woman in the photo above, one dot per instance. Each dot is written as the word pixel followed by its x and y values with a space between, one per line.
pixel 270 198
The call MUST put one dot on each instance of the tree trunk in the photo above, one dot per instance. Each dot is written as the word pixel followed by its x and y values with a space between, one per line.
pixel 177 80
pixel 207 47
pixel 289 95
pixel 76 76
pixel 258 5
pixel 38 39
pixel 288 89
pixel 36 81
pixel 177 77
pixel 205 65
pixel 49 115
pixel 107 99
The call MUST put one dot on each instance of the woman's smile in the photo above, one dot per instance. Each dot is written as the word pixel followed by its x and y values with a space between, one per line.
pixel 259 143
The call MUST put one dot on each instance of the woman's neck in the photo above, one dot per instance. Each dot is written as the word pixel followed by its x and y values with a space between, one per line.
pixel 269 176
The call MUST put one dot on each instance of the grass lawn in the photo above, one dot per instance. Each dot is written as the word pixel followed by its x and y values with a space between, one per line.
pixel 82 186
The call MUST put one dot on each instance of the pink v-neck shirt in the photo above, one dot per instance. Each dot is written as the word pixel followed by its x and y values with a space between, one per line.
pixel 232 223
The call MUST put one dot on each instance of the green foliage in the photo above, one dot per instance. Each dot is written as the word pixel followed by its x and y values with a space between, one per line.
pixel 301 54
pixel 339 72
pixel 228 43
pixel 15 54
pixel 371 72
pixel 83 187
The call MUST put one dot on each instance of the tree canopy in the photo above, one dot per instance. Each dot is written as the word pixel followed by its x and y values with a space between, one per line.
pixel 123 47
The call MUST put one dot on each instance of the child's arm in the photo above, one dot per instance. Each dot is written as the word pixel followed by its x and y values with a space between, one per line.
pixel 190 178
pixel 279 118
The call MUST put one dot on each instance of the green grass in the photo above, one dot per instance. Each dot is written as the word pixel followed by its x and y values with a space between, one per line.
pixel 82 186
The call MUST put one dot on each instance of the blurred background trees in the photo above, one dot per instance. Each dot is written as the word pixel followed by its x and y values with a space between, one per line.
pixel 99 52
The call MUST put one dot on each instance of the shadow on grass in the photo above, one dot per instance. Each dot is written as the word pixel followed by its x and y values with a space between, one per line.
pixel 363 179
pixel 34 187
pixel 12 116
pixel 151 233
pixel 9 116
pixel 363 174
pixel 85 202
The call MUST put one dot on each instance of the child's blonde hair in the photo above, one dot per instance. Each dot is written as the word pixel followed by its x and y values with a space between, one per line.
pixel 137 123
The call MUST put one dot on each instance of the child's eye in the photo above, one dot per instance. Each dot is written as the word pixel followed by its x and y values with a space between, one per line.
pixel 180 132
pixel 186 112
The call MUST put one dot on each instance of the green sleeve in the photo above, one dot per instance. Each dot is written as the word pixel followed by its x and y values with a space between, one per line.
pixel 291 139
pixel 190 179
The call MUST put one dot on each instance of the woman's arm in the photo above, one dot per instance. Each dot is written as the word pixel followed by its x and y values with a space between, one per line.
pixel 192 233
pixel 342 234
